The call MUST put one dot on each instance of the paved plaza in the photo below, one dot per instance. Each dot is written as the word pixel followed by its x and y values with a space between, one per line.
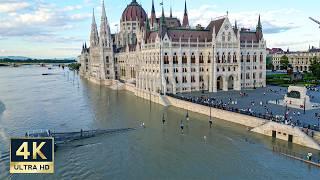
pixel 256 101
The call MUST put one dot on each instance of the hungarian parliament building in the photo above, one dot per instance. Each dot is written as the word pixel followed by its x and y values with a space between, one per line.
pixel 163 55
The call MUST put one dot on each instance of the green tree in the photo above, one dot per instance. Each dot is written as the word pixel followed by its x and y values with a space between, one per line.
pixel 269 63
pixel 284 62
pixel 315 67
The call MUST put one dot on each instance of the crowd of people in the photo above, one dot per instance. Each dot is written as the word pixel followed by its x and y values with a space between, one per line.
pixel 289 117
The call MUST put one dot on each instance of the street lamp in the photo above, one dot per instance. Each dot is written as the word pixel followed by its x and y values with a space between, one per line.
pixel 187 116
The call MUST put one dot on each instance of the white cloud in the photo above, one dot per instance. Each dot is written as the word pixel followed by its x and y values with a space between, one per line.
pixel 8 6
pixel 72 8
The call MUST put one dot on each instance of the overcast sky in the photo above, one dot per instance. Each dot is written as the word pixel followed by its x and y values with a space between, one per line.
pixel 57 28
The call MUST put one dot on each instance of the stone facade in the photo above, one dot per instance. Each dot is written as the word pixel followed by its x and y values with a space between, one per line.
pixel 163 55
pixel 300 61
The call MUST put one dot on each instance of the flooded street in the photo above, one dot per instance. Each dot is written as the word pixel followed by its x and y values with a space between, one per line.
pixel 63 102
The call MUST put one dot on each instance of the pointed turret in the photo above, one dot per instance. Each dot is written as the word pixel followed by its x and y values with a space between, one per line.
pixel 170 12
pixel 105 34
pixel 94 37
pixel 259 29
pixel 185 22
pixel 235 25
pixel 153 15
pixel 163 26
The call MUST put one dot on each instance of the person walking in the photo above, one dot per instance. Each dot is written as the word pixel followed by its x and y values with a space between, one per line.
pixel 181 126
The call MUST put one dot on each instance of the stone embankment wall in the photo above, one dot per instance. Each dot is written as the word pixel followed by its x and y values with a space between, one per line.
pixel 258 125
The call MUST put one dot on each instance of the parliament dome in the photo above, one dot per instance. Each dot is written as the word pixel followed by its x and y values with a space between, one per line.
pixel 134 12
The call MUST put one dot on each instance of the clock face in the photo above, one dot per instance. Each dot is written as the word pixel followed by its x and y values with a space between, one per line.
pixel 226 27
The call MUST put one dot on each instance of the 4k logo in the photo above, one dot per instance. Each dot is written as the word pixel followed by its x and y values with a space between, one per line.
pixel 32 155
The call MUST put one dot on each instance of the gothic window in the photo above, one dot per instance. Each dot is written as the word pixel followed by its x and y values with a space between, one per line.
pixel 201 79
pixel 229 36
pixel 193 79
pixel 248 57
pixel 229 57
pixel 193 59
pixel 260 75
pixel 166 59
pixel 184 79
pixel 167 80
pixel 223 58
pixel 229 69
pixel 261 58
pixel 234 58
pixel 175 58
pixel 201 59
pixel 177 80
pixel 254 75
pixel 255 57
pixel 218 57
pixel 247 76
pixel 184 58
pixel 241 57
pixel 223 37
pixel 107 59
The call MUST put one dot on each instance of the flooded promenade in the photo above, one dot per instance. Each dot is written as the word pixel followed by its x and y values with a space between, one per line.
pixel 63 102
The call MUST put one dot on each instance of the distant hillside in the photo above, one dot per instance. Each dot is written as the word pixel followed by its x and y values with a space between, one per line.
pixel 22 58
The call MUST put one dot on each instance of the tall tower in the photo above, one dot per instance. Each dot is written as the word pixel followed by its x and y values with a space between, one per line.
pixel 94 37
pixel 106 48
pixel 185 22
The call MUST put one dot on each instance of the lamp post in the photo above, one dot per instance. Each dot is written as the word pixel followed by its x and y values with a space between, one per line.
pixel 187 116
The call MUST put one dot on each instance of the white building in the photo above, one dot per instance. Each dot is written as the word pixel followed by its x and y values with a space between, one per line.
pixel 300 60
pixel 161 55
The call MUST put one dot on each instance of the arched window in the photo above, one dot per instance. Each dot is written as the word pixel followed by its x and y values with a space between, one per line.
pixel 184 58
pixel 218 57
pixel 193 59
pixel 229 57
pixel 223 58
pixel 261 57
pixel 166 59
pixel 223 37
pixel 255 57
pixel 107 59
pixel 248 57
pixel 234 58
pixel 175 58
pixel 209 59
pixel 201 59
pixel 241 57
pixel 229 36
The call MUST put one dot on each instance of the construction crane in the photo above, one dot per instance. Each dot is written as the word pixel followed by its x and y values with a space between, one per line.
pixel 314 21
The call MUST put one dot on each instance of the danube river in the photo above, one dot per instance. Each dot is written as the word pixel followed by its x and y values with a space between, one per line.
pixel 63 102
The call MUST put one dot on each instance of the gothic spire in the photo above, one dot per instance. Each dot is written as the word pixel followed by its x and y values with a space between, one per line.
pixel 259 26
pixel 104 28
pixel 94 37
pixel 153 15
pixel 170 12
pixel 259 29
pixel 185 22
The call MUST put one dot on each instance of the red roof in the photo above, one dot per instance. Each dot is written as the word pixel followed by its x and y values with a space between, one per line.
pixel 217 24
pixel 134 12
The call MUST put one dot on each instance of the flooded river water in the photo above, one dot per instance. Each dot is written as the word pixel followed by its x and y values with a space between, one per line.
pixel 64 102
